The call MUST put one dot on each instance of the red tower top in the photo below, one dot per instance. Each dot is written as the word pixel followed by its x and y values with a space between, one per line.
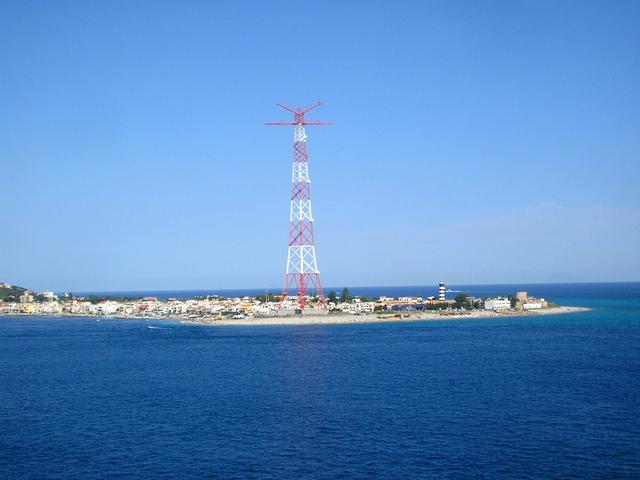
pixel 298 116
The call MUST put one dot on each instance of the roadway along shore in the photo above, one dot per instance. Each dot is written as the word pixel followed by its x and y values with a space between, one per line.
pixel 375 318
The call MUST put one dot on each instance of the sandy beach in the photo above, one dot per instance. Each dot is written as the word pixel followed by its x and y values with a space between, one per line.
pixel 375 318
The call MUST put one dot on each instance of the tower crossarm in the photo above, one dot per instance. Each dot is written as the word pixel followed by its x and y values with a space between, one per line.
pixel 300 110
pixel 298 116
pixel 290 124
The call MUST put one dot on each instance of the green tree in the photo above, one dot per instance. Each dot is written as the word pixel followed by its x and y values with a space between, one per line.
pixel 267 297
pixel 346 296
pixel 462 300
pixel 332 297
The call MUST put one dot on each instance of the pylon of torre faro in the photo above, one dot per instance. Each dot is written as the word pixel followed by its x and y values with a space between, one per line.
pixel 302 272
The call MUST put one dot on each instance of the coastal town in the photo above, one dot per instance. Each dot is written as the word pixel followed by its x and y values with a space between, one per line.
pixel 260 309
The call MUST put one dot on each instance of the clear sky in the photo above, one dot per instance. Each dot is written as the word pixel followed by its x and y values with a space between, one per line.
pixel 475 142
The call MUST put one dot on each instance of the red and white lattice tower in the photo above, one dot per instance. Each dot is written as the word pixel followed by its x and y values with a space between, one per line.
pixel 302 267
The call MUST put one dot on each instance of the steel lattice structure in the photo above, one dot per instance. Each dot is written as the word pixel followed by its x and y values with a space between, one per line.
pixel 302 267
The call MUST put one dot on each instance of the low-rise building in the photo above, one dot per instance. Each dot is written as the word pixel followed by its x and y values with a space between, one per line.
pixel 525 302
pixel 499 303
pixel 365 307
pixel 531 305
pixel 26 298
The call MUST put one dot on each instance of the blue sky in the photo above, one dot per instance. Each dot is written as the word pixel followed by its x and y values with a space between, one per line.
pixel 476 142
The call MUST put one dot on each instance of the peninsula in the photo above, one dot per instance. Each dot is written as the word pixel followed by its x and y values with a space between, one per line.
pixel 272 310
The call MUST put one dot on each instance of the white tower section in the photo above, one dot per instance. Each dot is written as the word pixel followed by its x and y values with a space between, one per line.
pixel 301 258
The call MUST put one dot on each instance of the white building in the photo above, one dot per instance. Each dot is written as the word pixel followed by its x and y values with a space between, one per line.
pixel 108 307
pixel 265 310
pixel 26 298
pixel 499 303
pixel 531 305
pixel 364 306
pixel 410 299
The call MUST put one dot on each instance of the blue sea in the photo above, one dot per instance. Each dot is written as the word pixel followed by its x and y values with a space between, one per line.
pixel 538 397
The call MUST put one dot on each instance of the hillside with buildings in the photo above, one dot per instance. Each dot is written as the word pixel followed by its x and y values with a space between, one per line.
pixel 11 293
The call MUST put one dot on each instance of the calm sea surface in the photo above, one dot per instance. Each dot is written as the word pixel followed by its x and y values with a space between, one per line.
pixel 545 397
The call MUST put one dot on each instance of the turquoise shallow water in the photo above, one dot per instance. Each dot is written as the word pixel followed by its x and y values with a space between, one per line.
pixel 537 397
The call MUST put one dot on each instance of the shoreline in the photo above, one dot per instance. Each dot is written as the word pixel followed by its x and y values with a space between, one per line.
pixel 369 318
pixel 374 318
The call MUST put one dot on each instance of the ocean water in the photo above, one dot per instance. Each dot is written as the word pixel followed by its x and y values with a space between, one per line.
pixel 538 397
